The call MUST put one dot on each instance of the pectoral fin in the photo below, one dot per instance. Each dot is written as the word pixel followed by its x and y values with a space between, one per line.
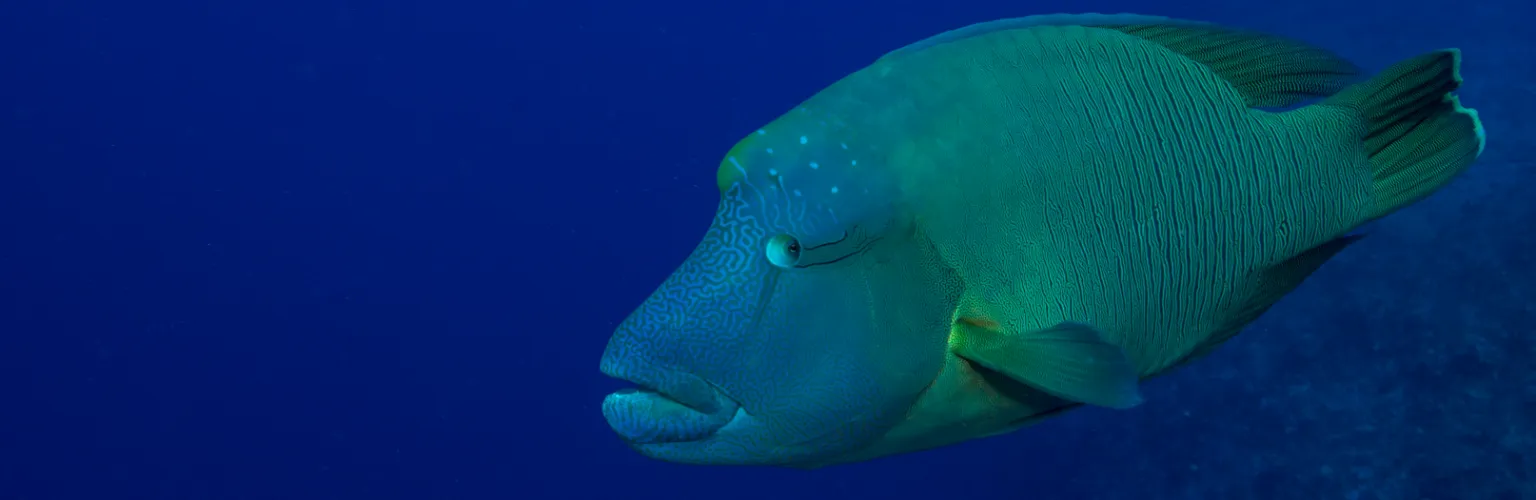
pixel 1070 360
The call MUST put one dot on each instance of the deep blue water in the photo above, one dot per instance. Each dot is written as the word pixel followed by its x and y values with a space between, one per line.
pixel 344 249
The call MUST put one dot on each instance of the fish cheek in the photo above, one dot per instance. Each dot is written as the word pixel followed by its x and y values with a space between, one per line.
pixel 907 299
pixel 844 396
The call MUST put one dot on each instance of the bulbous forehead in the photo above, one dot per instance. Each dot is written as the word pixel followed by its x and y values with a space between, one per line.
pixel 810 171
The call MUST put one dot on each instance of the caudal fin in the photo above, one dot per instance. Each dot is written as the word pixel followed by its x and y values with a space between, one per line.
pixel 1419 136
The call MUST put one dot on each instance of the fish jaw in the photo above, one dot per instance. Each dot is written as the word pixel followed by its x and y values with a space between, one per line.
pixel 667 406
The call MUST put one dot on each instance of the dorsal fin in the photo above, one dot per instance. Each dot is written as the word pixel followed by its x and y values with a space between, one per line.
pixel 1269 70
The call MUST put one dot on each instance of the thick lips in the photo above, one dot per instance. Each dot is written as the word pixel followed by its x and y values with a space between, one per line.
pixel 644 417
pixel 668 407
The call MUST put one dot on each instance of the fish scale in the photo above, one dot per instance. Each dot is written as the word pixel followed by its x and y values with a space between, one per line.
pixel 1127 168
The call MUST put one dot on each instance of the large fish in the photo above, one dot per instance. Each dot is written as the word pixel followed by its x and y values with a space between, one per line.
pixel 1006 221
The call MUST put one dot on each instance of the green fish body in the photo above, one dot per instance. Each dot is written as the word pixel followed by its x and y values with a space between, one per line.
pixel 1019 217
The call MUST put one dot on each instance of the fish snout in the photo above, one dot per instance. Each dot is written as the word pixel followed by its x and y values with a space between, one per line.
pixel 666 406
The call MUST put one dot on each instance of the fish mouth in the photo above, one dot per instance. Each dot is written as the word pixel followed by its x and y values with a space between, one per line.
pixel 666 406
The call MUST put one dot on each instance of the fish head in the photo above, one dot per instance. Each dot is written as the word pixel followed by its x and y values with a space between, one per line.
pixel 804 325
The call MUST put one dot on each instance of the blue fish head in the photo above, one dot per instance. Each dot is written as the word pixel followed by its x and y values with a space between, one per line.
pixel 802 328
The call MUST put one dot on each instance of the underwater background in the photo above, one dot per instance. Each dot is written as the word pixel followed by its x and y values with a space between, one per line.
pixel 373 250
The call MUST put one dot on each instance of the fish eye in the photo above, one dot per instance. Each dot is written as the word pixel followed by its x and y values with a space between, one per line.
pixel 783 250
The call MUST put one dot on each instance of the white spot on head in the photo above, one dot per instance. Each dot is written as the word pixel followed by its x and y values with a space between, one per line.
pixel 770 150
pixel 855 163
pixel 762 132
pixel 815 165
pixel 834 189
pixel 804 139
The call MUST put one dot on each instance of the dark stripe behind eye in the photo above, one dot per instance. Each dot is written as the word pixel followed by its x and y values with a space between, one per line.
pixel 829 243
pixel 861 249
